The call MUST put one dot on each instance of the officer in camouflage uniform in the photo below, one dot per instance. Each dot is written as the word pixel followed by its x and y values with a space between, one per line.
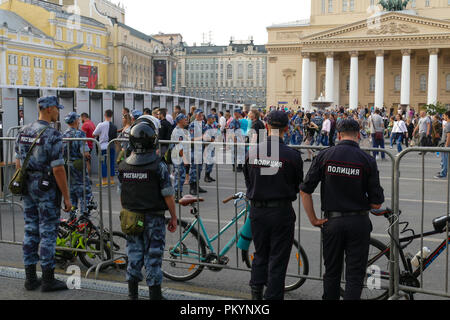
pixel 46 180
pixel 197 127
pixel 146 189
pixel 80 187
pixel 212 132
pixel 179 134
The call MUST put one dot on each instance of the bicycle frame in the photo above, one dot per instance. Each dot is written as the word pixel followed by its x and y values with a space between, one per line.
pixel 209 240
pixel 426 263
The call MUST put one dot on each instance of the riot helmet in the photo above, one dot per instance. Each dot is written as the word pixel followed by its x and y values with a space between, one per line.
pixel 143 143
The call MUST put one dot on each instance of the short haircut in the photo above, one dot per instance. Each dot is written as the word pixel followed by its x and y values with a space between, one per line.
pixel 163 112
pixel 109 113
pixel 377 111
pixel 127 110
pixel 177 107
pixel 147 111
pixel 214 109
pixel 221 113
pixel 448 113
pixel 256 113
pixel 84 115
pixel 348 126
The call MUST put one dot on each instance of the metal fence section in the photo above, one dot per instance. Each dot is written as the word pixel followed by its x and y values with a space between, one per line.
pixel 212 242
pixel 410 275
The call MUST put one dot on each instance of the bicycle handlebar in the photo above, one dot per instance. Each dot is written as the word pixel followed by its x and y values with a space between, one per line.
pixel 239 195
pixel 228 199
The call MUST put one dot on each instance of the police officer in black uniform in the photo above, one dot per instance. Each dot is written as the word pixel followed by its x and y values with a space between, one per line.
pixel 146 189
pixel 272 185
pixel 350 187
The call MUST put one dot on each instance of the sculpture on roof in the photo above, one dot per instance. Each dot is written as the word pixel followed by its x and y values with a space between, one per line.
pixel 394 5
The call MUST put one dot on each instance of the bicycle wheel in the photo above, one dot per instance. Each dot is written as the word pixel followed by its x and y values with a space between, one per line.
pixel 379 255
pixel 90 257
pixel 298 265
pixel 119 245
pixel 181 259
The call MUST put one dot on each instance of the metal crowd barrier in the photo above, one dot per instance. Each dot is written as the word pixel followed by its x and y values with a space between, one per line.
pixel 396 286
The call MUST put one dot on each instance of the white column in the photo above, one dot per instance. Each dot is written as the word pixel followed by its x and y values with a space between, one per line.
pixel 354 72
pixel 306 73
pixel 337 77
pixel 406 77
pixel 313 80
pixel 433 76
pixel 379 80
pixel 329 78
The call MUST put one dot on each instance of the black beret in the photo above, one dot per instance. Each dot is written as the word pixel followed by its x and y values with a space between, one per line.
pixel 278 119
pixel 348 125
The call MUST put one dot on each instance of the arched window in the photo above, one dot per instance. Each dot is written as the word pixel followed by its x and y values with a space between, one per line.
pixel 423 82
pixel 240 71
pixel 397 83
pixel 229 72
pixel 250 71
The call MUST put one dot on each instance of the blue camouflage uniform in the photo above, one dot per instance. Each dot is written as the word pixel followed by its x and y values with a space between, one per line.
pixel 196 155
pixel 318 120
pixel 214 133
pixel 80 184
pixel 234 126
pixel 147 248
pixel 41 208
pixel 179 134
pixel 298 130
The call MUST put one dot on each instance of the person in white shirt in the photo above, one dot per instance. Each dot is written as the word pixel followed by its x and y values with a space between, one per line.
pixel 400 131
pixel 326 128
pixel 103 134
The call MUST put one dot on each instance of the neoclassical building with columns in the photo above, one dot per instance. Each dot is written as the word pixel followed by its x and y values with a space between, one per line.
pixel 352 54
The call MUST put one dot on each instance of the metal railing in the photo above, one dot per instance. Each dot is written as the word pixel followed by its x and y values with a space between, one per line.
pixel 396 287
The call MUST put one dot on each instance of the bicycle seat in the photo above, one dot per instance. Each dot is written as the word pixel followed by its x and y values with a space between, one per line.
pixel 440 223
pixel 381 212
pixel 189 199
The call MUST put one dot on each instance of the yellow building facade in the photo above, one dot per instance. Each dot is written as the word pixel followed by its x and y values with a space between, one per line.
pixel 45 46
pixel 351 53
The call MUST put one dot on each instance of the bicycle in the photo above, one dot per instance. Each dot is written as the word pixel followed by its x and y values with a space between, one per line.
pixel 188 254
pixel 379 256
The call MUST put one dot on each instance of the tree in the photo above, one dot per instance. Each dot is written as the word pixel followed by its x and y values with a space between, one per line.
pixel 394 5
pixel 437 108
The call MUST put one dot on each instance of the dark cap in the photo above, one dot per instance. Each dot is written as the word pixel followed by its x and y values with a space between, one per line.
pixel 348 125
pixel 278 119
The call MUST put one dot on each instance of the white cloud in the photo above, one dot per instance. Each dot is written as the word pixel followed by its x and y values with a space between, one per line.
pixel 231 18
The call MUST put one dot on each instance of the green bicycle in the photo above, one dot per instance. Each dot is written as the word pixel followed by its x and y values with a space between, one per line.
pixel 189 252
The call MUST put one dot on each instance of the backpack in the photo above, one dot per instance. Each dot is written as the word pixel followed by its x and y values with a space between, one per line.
pixel 112 133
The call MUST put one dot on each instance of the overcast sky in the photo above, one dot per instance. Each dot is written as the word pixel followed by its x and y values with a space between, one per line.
pixel 230 18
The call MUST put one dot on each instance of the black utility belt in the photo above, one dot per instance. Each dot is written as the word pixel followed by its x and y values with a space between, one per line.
pixel 271 204
pixel 335 214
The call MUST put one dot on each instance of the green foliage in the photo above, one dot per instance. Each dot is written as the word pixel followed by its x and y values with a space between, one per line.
pixel 437 108
pixel 111 87
pixel 394 5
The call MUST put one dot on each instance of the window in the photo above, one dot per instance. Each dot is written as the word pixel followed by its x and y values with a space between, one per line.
pixel 330 6
pixel 48 64
pixel 12 59
pixel 323 7
pixel 89 39
pixel 98 42
pixel 59 34
pixel 69 35
pixel 448 82
pixel 25 61
pixel 240 71
pixel 352 5
pixel 80 37
pixel 229 72
pixel 250 71
pixel 37 62
pixel 344 5
pixel 397 83
pixel 423 82
pixel 347 84
pixel 427 3
pixel 372 84
pixel 60 65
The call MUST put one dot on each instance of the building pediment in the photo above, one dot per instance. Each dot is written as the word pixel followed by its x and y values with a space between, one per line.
pixel 386 25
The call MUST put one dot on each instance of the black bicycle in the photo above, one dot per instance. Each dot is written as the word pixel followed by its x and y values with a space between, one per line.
pixel 379 255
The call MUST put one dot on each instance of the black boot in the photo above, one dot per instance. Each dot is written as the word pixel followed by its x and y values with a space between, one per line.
pixel 240 168
pixel 133 289
pixel 208 178
pixel 193 188
pixel 155 293
pixel 257 293
pixel 31 280
pixel 49 283
pixel 201 190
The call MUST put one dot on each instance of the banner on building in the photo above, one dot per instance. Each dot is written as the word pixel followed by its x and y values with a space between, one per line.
pixel 88 76
pixel 160 72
